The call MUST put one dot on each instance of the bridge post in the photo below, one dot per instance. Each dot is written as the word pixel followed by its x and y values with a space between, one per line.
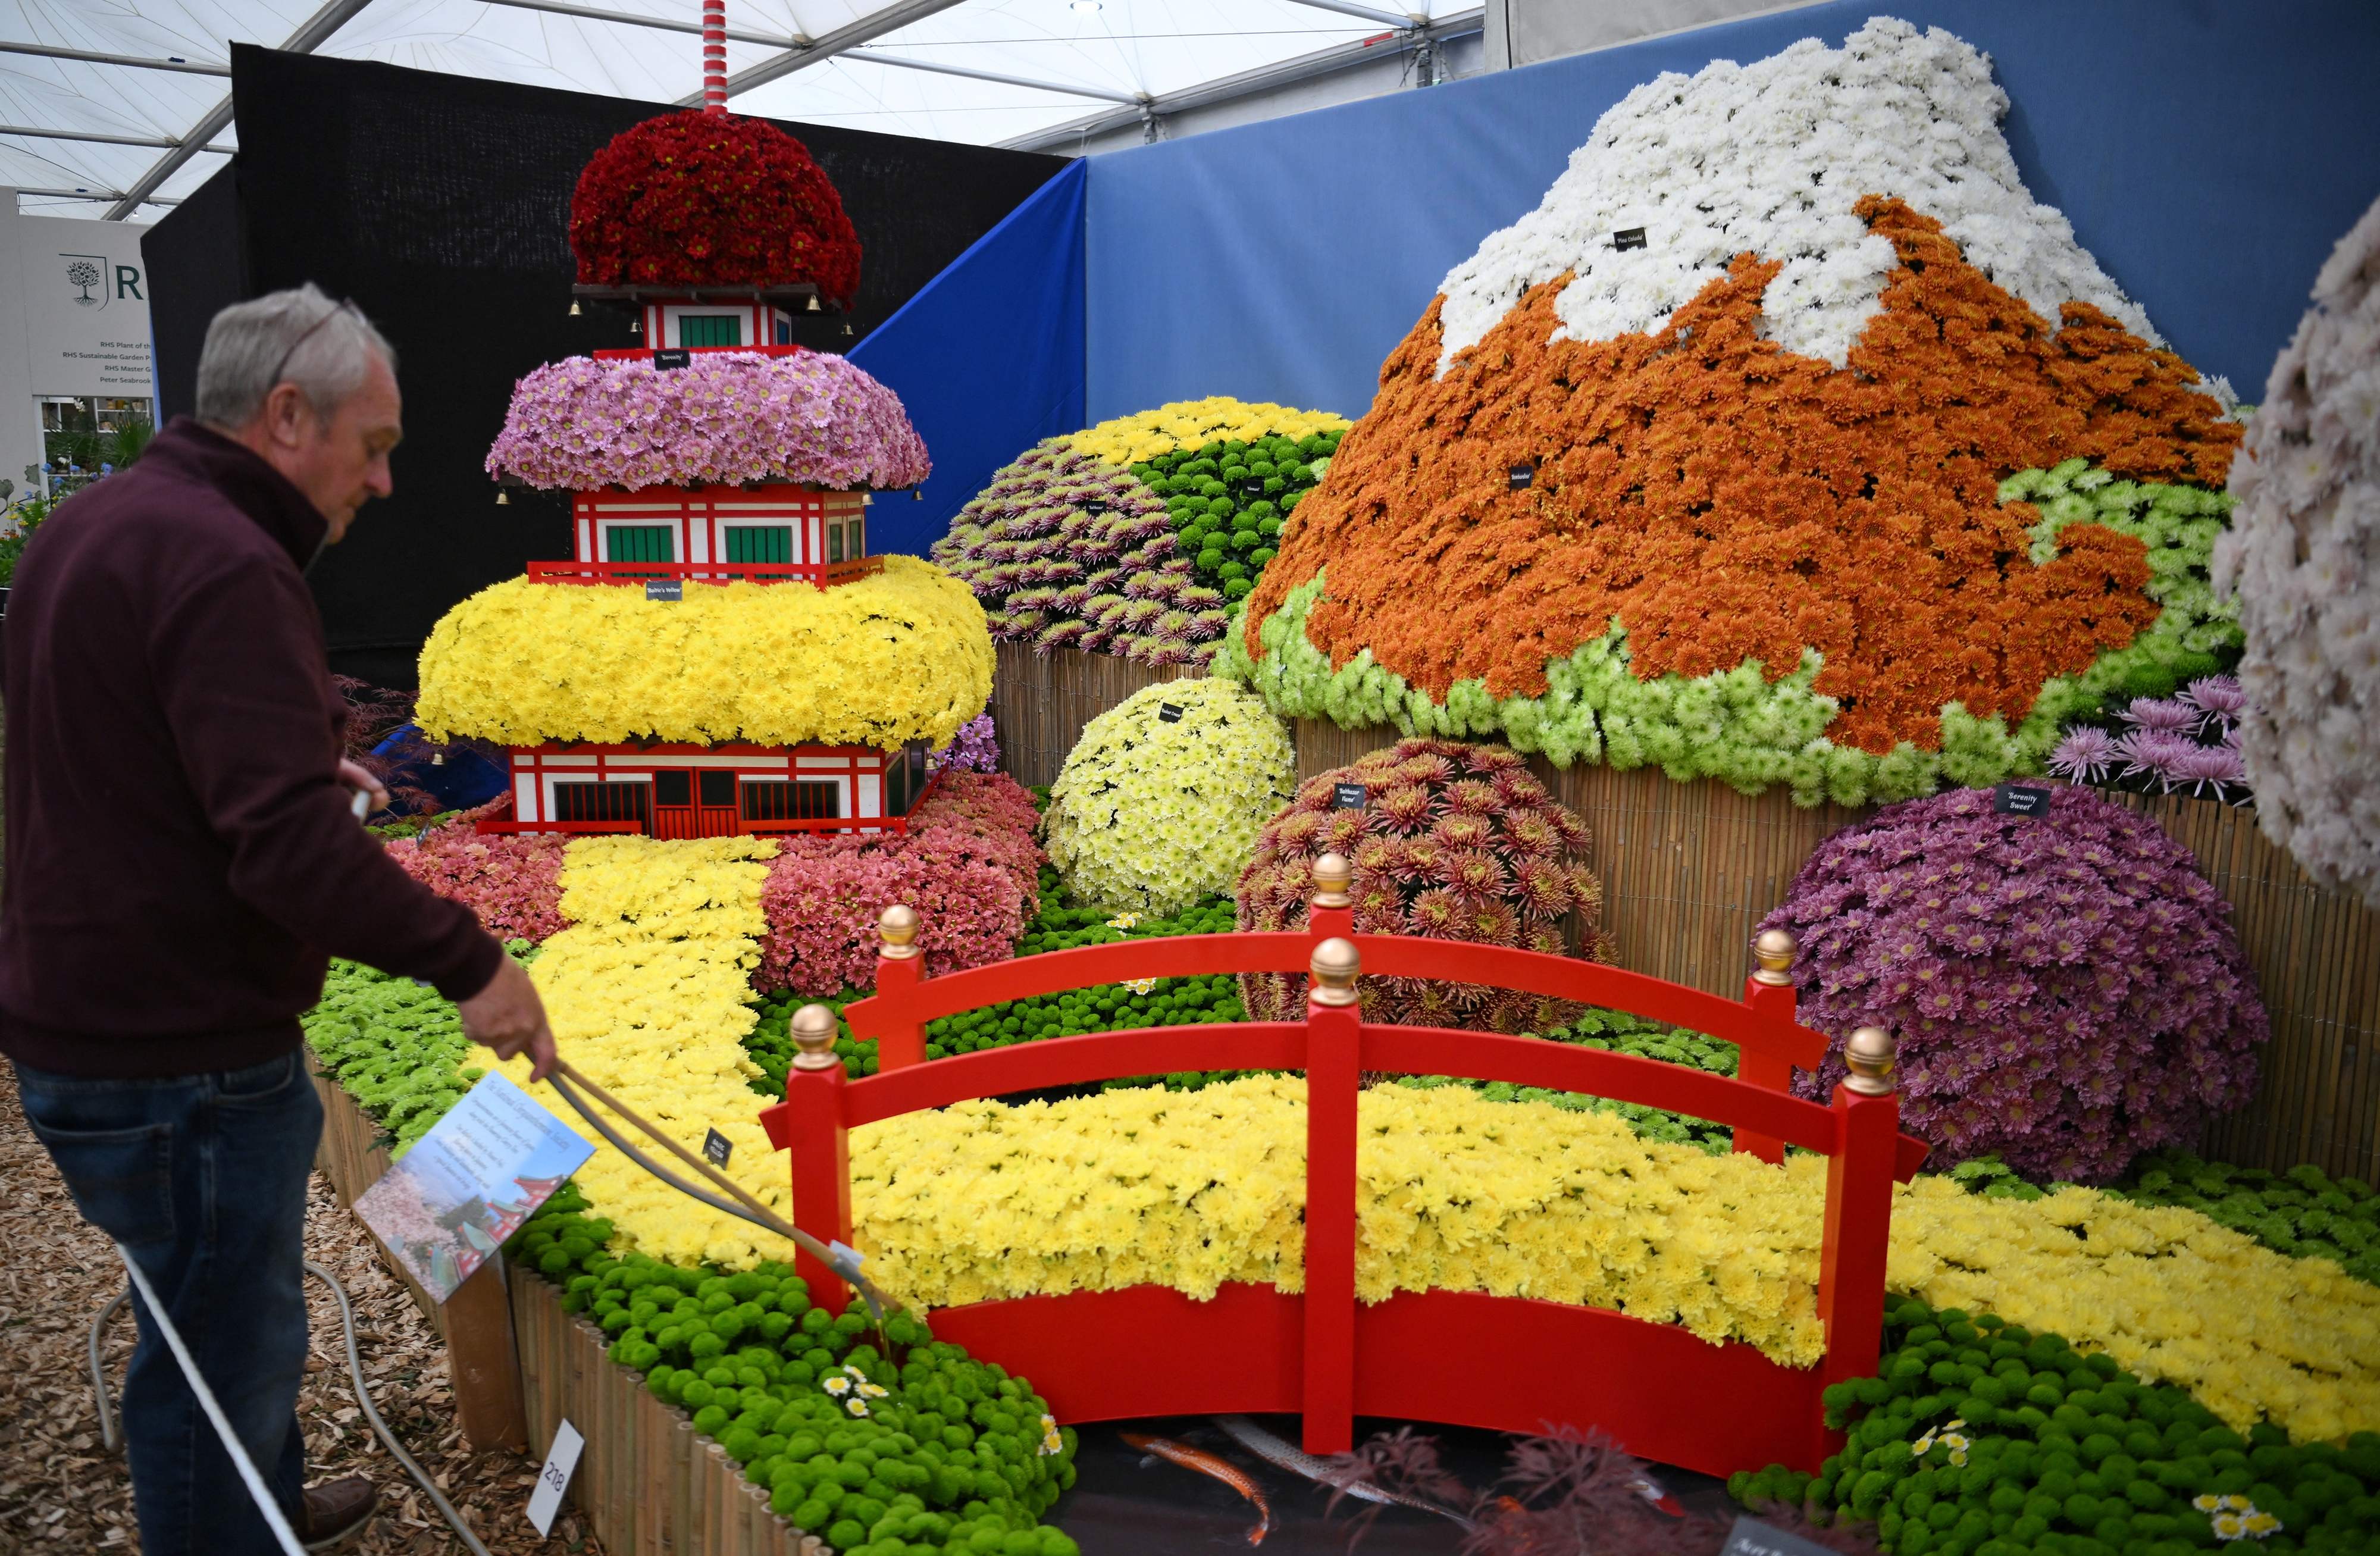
pixel 1859 1214
pixel 1769 992
pixel 814 1133
pixel 1331 911
pixel 900 968
pixel 1333 1058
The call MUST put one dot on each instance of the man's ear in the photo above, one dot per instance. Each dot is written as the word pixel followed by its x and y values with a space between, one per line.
pixel 288 415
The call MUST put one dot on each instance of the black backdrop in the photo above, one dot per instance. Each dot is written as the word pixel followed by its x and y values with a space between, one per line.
pixel 440 205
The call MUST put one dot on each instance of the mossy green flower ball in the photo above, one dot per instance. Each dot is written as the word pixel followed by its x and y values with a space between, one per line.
pixel 1160 801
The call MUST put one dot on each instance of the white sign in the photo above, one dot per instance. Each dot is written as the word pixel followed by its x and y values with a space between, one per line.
pixel 554 1478
pixel 85 292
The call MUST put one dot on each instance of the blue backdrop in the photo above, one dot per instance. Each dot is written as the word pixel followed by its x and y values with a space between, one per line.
pixel 987 358
pixel 2208 153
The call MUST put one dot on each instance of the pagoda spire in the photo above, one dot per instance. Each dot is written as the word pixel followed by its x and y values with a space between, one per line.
pixel 714 56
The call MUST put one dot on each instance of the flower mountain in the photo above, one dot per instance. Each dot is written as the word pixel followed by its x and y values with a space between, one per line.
pixel 1788 441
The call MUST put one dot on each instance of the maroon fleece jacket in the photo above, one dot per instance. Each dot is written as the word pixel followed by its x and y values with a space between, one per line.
pixel 181 857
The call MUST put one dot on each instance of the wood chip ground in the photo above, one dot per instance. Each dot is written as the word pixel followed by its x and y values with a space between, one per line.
pixel 61 1491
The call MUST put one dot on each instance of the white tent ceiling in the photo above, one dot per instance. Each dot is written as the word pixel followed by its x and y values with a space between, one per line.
pixel 864 64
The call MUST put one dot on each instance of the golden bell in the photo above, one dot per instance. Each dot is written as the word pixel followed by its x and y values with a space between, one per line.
pixel 814 305
pixel 576 311
pixel 504 498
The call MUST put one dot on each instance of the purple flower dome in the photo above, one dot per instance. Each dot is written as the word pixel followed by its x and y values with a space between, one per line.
pixel 2085 756
pixel 724 419
pixel 2160 716
pixel 2077 998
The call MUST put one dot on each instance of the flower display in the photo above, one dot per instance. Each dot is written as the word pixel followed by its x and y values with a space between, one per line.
pixel 841 1420
pixel 1186 424
pixel 393 1045
pixel 648 990
pixel 1625 503
pixel 2305 1212
pixel 1159 802
pixel 724 418
pixel 985 1201
pixel 711 200
pixel 968 866
pixel 1135 537
pixel 2302 564
pixel 2062 1446
pixel 2186 744
pixel 975 749
pixel 512 883
pixel 2066 988
pixel 1453 840
pixel 896 656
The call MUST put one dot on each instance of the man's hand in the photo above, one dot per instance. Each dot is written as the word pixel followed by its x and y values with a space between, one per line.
pixel 509 1017
pixel 355 776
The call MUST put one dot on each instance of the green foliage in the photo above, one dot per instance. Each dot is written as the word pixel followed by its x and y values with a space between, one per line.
pixel 2057 1452
pixel 29 516
pixel 1618 1032
pixel 1752 732
pixel 885 1439
pixel 1227 530
pixel 1994 1179
pixel 393 1045
pixel 2303 1212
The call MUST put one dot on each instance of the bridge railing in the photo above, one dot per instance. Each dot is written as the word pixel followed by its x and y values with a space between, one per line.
pixel 1858 1132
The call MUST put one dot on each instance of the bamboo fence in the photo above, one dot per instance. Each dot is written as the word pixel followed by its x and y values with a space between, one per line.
pixel 1688 870
pixel 1041 702
pixel 647 1483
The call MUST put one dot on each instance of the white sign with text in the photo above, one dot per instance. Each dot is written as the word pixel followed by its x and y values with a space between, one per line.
pixel 561 1460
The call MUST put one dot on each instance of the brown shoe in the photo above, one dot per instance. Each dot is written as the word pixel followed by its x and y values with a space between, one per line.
pixel 329 1514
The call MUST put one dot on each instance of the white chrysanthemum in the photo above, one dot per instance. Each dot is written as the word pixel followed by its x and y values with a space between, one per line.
pixel 1771 158
pixel 2303 557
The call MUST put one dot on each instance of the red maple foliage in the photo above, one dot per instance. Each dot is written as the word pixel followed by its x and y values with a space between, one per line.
pixel 708 199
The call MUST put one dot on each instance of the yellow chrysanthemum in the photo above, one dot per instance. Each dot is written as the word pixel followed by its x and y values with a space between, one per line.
pixel 898 656
pixel 1127 440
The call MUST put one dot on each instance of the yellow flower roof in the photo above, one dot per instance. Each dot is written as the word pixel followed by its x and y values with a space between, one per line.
pixel 902 655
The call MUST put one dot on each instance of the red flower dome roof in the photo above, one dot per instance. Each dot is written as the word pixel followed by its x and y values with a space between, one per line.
pixel 707 200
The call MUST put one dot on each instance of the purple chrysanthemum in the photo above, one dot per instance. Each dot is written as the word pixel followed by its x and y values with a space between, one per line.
pixel 724 419
pixel 2078 997
pixel 2160 716
pixel 2220 698
pixel 2085 756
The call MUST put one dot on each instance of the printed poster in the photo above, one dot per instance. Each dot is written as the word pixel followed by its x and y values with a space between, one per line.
pixel 469 1182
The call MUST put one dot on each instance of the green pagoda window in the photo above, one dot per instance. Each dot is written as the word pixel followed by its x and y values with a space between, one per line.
pixel 759 542
pixel 711 329
pixel 639 542
pixel 834 542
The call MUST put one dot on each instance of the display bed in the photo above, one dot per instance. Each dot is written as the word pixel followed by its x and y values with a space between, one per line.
pixel 1691 869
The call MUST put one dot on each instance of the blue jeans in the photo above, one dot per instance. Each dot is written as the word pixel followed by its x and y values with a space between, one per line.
pixel 203 1178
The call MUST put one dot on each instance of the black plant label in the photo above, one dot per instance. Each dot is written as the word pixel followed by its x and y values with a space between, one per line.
pixel 1520 478
pixel 671 358
pixel 1348 797
pixel 1167 713
pixel 665 588
pixel 716 1148
pixel 2019 799
pixel 1627 239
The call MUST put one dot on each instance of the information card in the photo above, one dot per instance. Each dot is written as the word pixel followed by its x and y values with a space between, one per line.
pixel 465 1186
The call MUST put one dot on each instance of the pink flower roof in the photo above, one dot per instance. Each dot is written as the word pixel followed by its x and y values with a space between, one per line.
pixel 725 418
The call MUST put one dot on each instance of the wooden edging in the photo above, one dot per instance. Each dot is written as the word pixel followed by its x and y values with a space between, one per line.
pixel 647 1481
pixel 476 1323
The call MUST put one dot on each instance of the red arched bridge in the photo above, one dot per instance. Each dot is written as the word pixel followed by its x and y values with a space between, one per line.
pixel 1512 1364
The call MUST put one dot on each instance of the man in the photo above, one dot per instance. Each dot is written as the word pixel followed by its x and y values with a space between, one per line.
pixel 181 858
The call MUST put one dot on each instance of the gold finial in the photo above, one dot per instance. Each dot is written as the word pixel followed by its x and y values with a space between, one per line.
pixel 813 1028
pixel 1775 950
pixel 1333 876
pixel 1335 965
pixel 897 926
pixel 1870 1055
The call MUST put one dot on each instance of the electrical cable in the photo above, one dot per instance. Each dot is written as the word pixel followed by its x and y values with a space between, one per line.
pixel 112 1440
